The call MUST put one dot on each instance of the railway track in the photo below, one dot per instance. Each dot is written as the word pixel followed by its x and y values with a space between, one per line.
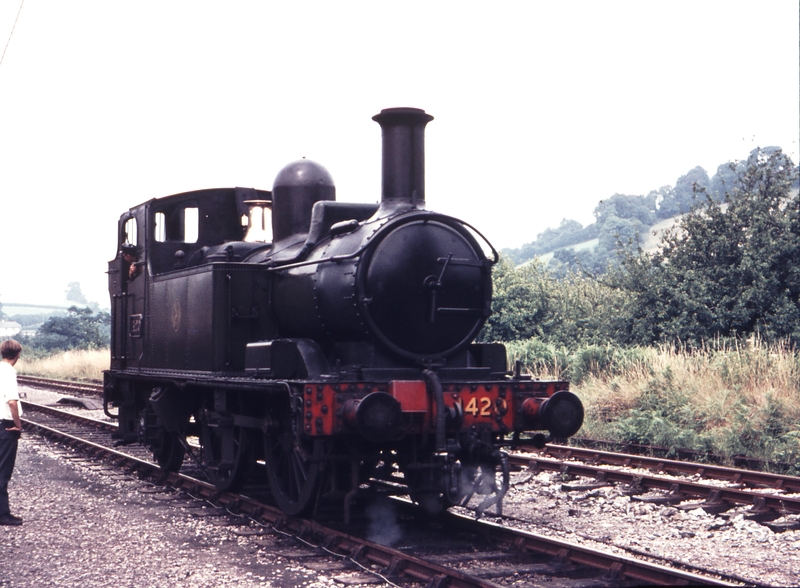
pixel 680 454
pixel 770 496
pixel 744 477
pixel 91 389
pixel 429 553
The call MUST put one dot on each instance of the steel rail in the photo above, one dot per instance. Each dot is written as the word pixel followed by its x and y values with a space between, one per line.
pixel 789 484
pixel 88 388
pixel 678 453
pixel 70 416
pixel 618 566
pixel 715 497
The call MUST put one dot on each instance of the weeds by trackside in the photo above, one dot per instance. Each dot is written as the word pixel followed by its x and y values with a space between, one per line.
pixel 68 365
pixel 728 399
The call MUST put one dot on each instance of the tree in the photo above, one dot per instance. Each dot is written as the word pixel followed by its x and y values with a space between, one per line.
pixel 622 206
pixel 531 302
pixel 74 293
pixel 587 262
pixel 682 198
pixel 726 271
pixel 79 329
pixel 583 310
pixel 519 303
pixel 693 182
pixel 664 199
pixel 569 232
pixel 619 230
pixel 725 180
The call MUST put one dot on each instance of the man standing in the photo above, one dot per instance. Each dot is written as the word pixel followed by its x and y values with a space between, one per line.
pixel 10 425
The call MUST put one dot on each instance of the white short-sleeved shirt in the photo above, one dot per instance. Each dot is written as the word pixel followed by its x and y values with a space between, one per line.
pixel 8 390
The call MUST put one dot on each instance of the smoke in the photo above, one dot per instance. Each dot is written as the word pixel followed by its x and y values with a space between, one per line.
pixel 383 526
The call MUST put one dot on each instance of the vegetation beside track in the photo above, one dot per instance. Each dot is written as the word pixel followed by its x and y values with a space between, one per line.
pixel 728 400
pixel 75 364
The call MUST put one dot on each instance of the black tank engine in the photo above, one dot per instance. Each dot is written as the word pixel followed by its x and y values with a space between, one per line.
pixel 327 345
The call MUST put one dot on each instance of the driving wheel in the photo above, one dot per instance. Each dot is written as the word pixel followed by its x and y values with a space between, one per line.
pixel 226 450
pixel 293 466
pixel 169 451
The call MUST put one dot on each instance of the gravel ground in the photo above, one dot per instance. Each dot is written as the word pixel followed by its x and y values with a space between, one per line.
pixel 91 527
pixel 86 525
pixel 726 543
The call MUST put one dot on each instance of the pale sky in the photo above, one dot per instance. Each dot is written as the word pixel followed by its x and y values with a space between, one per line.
pixel 542 108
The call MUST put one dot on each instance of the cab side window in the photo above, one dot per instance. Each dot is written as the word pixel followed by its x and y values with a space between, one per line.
pixel 175 234
pixel 130 232
pixel 181 225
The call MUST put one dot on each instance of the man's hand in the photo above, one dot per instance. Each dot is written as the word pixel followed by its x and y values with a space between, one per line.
pixel 14 406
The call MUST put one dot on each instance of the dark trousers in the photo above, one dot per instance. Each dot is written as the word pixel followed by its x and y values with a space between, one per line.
pixel 8 455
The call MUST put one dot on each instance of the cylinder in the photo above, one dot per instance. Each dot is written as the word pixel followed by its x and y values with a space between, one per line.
pixel 403 155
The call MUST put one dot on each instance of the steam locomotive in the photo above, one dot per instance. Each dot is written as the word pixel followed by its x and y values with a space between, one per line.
pixel 327 345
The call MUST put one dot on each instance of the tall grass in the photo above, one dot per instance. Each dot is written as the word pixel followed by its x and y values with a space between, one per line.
pixel 728 399
pixel 69 365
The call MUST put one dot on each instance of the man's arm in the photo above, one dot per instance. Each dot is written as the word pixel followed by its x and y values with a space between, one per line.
pixel 13 405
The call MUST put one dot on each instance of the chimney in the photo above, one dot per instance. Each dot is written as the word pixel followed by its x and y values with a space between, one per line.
pixel 403 173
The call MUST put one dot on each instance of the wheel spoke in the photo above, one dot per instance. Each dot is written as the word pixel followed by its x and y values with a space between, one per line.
pixel 293 476
pixel 298 468
pixel 214 445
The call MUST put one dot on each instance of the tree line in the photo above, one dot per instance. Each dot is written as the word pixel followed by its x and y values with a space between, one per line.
pixel 623 218
pixel 78 328
pixel 728 269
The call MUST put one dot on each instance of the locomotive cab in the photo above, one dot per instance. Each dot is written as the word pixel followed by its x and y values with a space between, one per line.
pixel 171 235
